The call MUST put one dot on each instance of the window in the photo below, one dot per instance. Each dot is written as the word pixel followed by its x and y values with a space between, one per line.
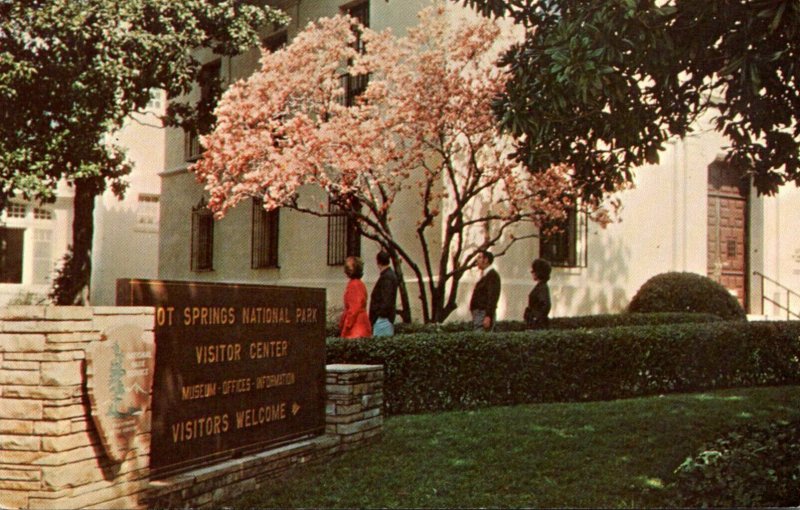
pixel 210 87
pixel 202 256
pixel 11 250
pixel 147 215
pixel 344 238
pixel 42 256
pixel 566 247
pixel 42 214
pixel 264 251
pixel 155 100
pixel 15 210
pixel 356 85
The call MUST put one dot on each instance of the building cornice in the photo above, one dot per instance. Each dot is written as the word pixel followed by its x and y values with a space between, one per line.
pixel 182 169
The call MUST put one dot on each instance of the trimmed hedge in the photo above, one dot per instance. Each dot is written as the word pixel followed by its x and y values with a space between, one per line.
pixel 686 292
pixel 757 466
pixel 433 372
pixel 585 321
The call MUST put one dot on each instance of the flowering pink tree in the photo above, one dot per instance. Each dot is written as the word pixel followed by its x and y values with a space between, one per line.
pixel 423 126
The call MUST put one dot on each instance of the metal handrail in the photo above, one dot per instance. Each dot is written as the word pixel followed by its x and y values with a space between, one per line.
pixel 789 293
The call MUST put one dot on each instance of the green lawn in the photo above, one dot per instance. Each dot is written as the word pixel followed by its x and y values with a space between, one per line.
pixel 599 454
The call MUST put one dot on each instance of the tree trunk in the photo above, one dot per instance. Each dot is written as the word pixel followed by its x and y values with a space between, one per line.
pixel 71 286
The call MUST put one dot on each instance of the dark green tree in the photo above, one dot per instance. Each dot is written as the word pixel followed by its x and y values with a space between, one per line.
pixel 602 84
pixel 72 71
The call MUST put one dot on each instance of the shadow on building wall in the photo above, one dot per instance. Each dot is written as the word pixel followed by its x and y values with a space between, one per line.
pixel 604 286
pixel 123 248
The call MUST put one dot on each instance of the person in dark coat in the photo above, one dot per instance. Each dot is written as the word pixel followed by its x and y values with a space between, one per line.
pixel 483 304
pixel 539 299
pixel 382 301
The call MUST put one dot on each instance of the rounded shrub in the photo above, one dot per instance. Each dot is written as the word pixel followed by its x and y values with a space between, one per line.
pixel 686 292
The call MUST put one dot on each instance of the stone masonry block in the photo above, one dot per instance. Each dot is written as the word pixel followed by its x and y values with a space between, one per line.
pixel 345 419
pixel 70 337
pixel 76 350
pixel 360 426
pixel 344 410
pixel 16 342
pixel 17 409
pixel 22 475
pixel 20 365
pixel 43 392
pixel 16 427
pixel 339 389
pixel 373 400
pixel 123 310
pixel 338 368
pixel 14 499
pixel 359 377
pixel 19 377
pixel 60 313
pixel 66 442
pixel 16 485
pixel 44 326
pixel 348 440
pixel 367 388
pixel 343 400
pixel 42 356
pixel 47 500
pixel 78 473
pixel 23 443
pixel 21 312
pixel 62 373
pixel 19 457
pixel 355 417
pixel 52 428
pixel 63 412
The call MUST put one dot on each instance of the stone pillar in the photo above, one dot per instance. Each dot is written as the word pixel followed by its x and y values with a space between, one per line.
pixel 50 453
pixel 355 402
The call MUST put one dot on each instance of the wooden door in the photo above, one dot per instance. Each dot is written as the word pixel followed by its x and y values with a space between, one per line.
pixel 727 229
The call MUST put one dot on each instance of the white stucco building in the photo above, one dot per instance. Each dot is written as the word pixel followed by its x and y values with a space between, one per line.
pixel 685 214
pixel 34 237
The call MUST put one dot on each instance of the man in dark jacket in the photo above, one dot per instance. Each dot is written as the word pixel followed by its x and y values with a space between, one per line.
pixel 486 294
pixel 383 299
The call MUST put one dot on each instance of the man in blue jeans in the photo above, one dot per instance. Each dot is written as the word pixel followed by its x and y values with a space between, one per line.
pixel 383 298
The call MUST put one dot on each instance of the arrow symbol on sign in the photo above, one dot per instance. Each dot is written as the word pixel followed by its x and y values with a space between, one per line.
pixel 295 408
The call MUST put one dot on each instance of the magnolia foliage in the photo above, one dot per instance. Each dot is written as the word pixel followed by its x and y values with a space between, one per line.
pixel 423 126
pixel 604 84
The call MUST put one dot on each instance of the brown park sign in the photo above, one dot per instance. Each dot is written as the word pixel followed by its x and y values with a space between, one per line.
pixel 238 368
pixel 119 375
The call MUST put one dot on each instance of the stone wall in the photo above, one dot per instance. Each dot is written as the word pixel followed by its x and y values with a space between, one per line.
pixel 50 453
pixel 51 456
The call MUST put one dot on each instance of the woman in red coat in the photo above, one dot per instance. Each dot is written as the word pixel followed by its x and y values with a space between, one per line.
pixel 355 319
